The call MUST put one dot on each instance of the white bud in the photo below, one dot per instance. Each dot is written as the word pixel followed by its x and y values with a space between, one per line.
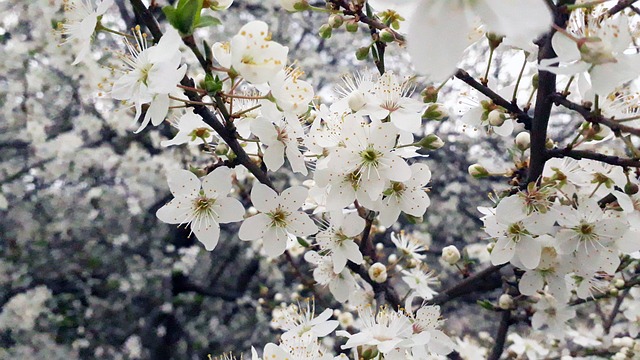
pixel 619 283
pixel 278 297
pixel 450 254
pixel 392 258
pixel 505 302
pixel 523 141
pixel 379 246
pixel 356 101
pixel 496 118
pixel 378 272
pixel 345 319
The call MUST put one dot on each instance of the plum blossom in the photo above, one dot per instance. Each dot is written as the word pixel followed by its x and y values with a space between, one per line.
pixel 438 30
pixel 280 140
pixel 191 130
pixel 516 230
pixel 384 330
pixel 303 321
pixel 369 154
pixel 341 285
pixel 390 98
pixel 254 55
pixel 409 196
pixel 278 218
pixel 586 233
pixel 151 74
pixel 82 17
pixel 595 47
pixel 338 239
pixel 203 206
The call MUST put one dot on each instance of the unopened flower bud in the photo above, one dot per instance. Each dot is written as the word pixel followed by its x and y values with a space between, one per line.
pixel 278 297
pixel 387 36
pixel 392 258
pixel 505 302
pixel 431 142
pixel 614 292
pixel 430 94
pixel 379 246
pixel 490 247
pixel 294 5
pixel 345 319
pixel 618 283
pixel 477 171
pixel 356 101
pixel 549 144
pixel 496 118
pixel 523 141
pixel 335 20
pixel 325 31
pixel 494 40
pixel 351 25
pixel 378 273
pixel 450 254
pixel 631 188
pixel 222 149
pixel 362 53
pixel 535 81
pixel 435 112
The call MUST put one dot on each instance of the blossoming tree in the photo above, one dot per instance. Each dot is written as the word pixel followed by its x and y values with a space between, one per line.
pixel 318 182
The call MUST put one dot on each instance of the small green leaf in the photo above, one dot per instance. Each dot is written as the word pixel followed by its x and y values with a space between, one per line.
pixel 206 21
pixel 170 13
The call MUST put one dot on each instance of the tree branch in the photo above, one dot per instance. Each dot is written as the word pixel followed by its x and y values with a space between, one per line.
pixel 501 336
pixel 589 116
pixel 583 154
pixel 466 286
pixel 621 5
pixel 521 116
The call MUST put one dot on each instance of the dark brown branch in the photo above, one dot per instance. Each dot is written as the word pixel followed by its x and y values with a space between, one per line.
pixel 227 133
pixel 501 336
pixel 589 116
pixel 614 312
pixel 583 154
pixel 521 116
pixel 466 286
pixel 621 5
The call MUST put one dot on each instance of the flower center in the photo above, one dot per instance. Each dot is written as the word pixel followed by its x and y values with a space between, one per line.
pixel 370 156
pixel 278 218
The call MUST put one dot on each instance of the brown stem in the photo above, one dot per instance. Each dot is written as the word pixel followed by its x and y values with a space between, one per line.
pixel 501 336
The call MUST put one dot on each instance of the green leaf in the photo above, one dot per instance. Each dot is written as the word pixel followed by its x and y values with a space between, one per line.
pixel 170 13
pixel 187 15
pixel 206 21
